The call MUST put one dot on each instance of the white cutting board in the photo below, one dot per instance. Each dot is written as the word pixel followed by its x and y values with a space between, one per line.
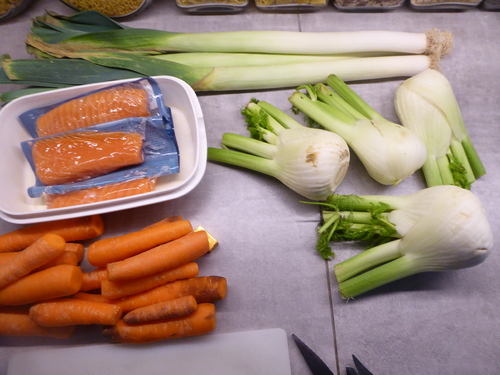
pixel 262 352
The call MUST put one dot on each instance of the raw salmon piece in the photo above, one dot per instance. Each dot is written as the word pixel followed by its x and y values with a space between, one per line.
pixel 101 193
pixel 82 155
pixel 103 106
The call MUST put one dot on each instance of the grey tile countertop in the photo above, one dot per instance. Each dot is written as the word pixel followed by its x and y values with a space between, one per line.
pixel 446 323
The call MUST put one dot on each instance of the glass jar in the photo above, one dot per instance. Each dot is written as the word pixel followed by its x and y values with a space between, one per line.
pixel 490 5
pixel 110 8
pixel 367 5
pixel 212 6
pixel 433 5
pixel 290 5
pixel 11 8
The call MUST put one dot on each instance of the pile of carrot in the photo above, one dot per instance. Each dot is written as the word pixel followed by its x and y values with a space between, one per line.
pixel 145 285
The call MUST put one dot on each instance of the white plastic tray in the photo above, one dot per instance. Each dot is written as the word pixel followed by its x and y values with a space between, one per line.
pixel 16 175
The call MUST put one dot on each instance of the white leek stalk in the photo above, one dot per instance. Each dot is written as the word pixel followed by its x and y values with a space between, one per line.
pixel 435 229
pixel 213 59
pixel 311 162
pixel 389 151
pixel 91 31
pixel 426 104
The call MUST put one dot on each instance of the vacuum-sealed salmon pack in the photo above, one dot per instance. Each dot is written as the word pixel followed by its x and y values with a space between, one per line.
pixel 102 155
pixel 139 98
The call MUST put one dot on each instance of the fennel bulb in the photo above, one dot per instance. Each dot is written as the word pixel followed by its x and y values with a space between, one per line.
pixel 311 162
pixel 389 152
pixel 435 229
pixel 426 104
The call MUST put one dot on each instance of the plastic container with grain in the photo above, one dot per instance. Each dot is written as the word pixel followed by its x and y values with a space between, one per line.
pixel 291 5
pixel 212 6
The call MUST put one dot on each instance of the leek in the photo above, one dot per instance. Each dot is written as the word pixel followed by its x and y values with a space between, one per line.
pixel 212 59
pixel 426 104
pixel 389 152
pixel 69 34
pixel 231 61
pixel 435 229
pixel 223 78
pixel 311 162
pixel 55 73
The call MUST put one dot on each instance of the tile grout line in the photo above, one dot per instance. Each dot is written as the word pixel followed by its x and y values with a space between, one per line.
pixel 332 317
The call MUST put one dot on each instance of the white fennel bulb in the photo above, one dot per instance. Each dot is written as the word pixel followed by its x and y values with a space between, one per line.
pixel 311 162
pixel 427 104
pixel 389 152
pixel 439 228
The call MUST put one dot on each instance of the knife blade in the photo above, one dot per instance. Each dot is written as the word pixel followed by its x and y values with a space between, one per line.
pixel 314 362
pixel 362 370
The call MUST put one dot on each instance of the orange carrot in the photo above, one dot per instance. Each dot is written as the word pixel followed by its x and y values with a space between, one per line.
pixel 17 322
pixel 175 308
pixel 77 248
pixel 161 258
pixel 91 297
pixel 42 251
pixel 121 247
pixel 92 280
pixel 168 219
pixel 67 257
pixel 68 311
pixel 74 229
pixel 201 322
pixel 202 288
pixel 7 257
pixel 119 289
pixel 74 247
pixel 54 282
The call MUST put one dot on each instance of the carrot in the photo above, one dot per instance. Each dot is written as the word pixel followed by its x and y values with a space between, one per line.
pixel 91 297
pixel 92 280
pixel 114 249
pixel 54 282
pixel 175 308
pixel 202 288
pixel 74 229
pixel 67 257
pixel 77 248
pixel 161 258
pixel 119 289
pixel 168 219
pixel 68 311
pixel 7 257
pixel 201 322
pixel 17 322
pixel 74 247
pixel 42 251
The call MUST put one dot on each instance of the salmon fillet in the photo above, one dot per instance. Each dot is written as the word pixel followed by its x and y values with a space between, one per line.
pixel 78 156
pixel 103 106
pixel 101 193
